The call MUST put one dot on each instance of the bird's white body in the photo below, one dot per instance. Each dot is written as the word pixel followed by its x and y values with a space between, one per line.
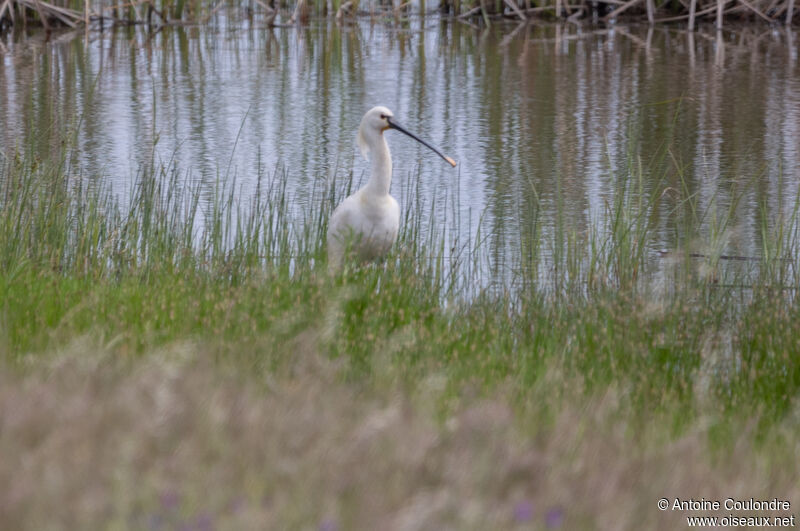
pixel 365 225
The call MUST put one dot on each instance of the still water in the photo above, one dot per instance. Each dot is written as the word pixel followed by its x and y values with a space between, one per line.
pixel 544 119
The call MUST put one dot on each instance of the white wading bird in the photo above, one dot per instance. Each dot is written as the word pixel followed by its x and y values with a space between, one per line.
pixel 366 223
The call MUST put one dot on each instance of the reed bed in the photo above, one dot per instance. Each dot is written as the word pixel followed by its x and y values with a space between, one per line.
pixel 97 14
pixel 177 260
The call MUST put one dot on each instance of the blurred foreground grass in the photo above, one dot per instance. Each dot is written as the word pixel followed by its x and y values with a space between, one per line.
pixel 178 439
pixel 170 361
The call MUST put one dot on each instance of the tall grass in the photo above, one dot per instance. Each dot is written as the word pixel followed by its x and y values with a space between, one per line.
pixel 176 354
pixel 177 260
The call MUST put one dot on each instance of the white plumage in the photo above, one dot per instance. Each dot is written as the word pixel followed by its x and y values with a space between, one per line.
pixel 365 224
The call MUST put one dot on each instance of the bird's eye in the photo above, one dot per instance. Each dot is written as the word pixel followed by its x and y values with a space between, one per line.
pixel 383 116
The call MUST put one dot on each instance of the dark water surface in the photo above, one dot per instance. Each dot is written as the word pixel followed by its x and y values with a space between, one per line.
pixel 547 122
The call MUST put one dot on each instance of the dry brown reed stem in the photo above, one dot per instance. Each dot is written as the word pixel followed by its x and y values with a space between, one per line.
pixel 624 7
pixel 343 9
pixel 768 10
pixel 684 17
pixel 3 8
pixel 301 12
pixel 271 13
pixel 38 9
pixel 49 12
pixel 473 11
pixel 401 7
pixel 755 10
pixel 546 9
pixel 515 8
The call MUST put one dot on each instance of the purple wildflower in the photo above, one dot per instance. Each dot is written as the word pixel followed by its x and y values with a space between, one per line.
pixel 328 525
pixel 523 511
pixel 554 518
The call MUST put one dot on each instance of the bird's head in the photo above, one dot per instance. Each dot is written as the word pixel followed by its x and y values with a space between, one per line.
pixel 379 119
pixel 373 124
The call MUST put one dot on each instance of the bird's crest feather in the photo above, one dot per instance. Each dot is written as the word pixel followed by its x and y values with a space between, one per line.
pixel 362 144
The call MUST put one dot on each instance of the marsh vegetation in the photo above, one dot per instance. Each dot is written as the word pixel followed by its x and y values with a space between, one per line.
pixel 599 310
pixel 264 375
pixel 99 14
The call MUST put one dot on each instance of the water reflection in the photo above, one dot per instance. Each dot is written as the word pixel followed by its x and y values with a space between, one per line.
pixel 546 121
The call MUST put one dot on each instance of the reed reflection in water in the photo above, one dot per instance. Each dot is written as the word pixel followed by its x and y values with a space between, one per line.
pixel 551 125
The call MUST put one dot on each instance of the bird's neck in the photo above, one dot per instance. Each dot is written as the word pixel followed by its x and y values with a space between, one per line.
pixel 380 180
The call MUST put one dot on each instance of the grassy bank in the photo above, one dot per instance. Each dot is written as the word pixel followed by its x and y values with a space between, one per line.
pixel 181 356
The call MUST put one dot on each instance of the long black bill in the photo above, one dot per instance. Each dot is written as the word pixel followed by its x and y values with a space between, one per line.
pixel 393 125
